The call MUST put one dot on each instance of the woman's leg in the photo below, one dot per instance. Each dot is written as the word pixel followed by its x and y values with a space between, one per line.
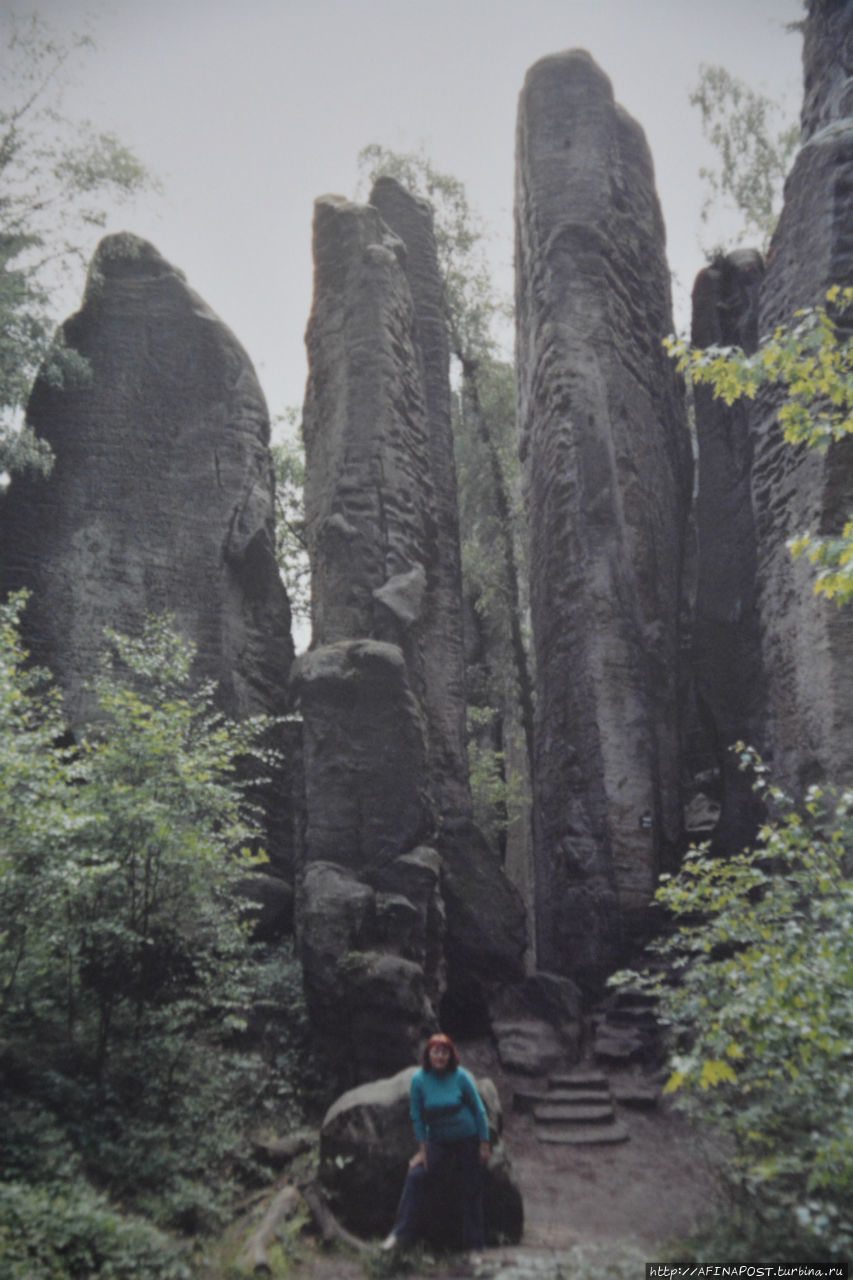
pixel 473 1232
pixel 408 1220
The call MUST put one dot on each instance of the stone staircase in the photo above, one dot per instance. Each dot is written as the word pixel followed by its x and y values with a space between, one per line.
pixel 576 1109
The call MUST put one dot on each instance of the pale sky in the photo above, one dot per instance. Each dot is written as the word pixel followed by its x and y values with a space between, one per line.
pixel 250 109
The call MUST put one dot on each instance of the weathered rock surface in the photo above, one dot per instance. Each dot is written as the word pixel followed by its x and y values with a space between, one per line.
pixel 807 643
pixel 608 477
pixel 726 646
pixel 410 219
pixel 381 691
pixel 161 497
pixel 827 65
pixel 365 1146
pixel 538 1024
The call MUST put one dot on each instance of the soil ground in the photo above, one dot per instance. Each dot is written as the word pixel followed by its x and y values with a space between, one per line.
pixel 601 1209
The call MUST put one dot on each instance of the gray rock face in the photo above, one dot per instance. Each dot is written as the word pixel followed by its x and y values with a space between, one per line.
pixel 410 219
pixel 726 646
pixel 807 643
pixel 160 500
pixel 608 475
pixel 365 1144
pixel 381 690
pixel 827 65
pixel 161 495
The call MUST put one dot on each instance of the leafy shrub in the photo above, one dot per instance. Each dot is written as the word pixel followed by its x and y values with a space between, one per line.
pixel 71 1233
pixel 141 1033
pixel 762 1015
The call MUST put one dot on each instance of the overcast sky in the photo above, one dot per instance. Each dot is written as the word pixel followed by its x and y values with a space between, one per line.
pixel 249 109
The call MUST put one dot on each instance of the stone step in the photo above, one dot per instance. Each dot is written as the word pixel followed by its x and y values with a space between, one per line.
pixel 564 1113
pixel 592 1080
pixel 527 1099
pixel 630 1018
pixel 583 1135
pixel 640 1097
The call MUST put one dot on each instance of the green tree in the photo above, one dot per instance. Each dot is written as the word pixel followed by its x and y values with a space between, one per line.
pixel 291 547
pixel 57 176
pixel 811 360
pixel 491 523
pixel 755 144
pixel 756 981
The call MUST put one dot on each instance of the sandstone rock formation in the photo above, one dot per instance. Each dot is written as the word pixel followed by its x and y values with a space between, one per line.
pixel 808 643
pixel 161 497
pixel 381 689
pixel 365 1145
pixel 726 647
pixel 608 477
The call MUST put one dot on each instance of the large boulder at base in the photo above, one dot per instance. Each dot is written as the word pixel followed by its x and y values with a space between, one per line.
pixel 726 646
pixel 607 474
pixel 807 641
pixel 366 1143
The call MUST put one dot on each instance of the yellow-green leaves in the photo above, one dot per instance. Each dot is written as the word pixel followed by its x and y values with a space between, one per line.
pixel 812 361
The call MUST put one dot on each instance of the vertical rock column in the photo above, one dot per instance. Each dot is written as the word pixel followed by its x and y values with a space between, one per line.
pixel 808 643
pixel 726 647
pixel 607 474
pixel 160 499
pixel 388 804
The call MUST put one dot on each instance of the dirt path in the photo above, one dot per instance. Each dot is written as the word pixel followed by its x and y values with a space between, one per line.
pixel 600 1206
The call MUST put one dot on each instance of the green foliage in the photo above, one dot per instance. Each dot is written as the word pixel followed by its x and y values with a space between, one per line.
pixel 812 361
pixel 755 146
pixel 761 1004
pixel 291 547
pixel 472 306
pixel 57 175
pixel 141 1034
pixel 71 1232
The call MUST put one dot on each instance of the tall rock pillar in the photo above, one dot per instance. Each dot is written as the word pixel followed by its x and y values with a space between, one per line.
pixel 400 894
pixel 726 647
pixel 607 475
pixel 807 642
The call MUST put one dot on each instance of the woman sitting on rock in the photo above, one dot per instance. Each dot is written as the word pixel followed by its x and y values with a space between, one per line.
pixel 451 1128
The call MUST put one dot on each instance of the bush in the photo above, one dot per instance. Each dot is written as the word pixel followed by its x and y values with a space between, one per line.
pixel 69 1233
pixel 141 1033
pixel 762 1016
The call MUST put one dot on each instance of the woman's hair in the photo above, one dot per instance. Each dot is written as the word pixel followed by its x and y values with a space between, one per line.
pixel 441 1038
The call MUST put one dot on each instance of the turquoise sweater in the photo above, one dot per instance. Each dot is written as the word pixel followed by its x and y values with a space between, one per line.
pixel 447 1107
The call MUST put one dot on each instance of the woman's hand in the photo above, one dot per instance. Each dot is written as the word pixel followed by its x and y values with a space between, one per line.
pixel 420 1157
pixel 485 1152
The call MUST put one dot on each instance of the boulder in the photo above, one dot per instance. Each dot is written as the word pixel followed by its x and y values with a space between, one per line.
pixel 607 476
pixel 538 1023
pixel 366 1142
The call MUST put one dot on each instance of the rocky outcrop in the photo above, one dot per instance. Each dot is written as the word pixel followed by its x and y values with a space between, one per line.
pixel 608 475
pixel 365 1145
pixel 381 689
pixel 161 496
pixel 410 219
pixel 726 646
pixel 807 643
